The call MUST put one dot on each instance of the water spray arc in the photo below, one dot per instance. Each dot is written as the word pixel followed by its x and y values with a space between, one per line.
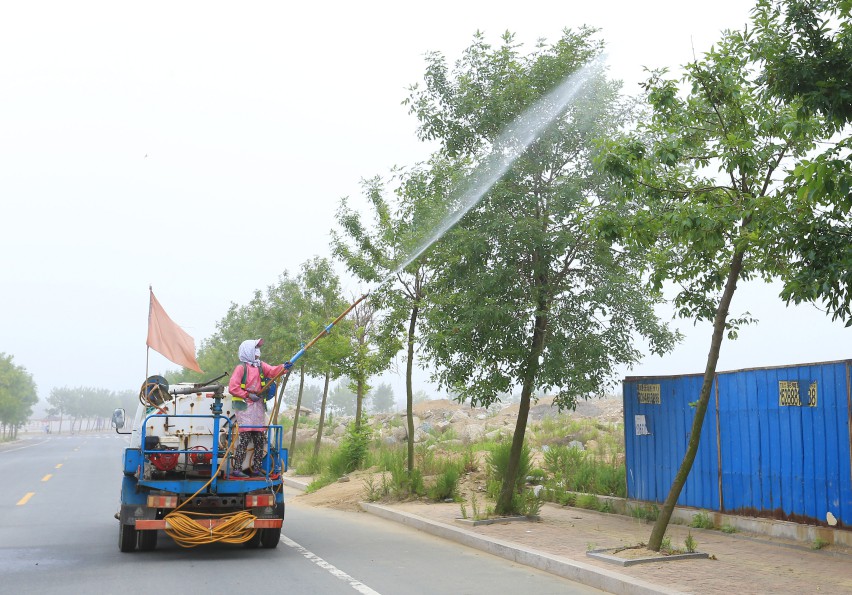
pixel 507 148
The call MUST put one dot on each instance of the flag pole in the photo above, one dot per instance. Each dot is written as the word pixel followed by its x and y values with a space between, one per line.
pixel 148 347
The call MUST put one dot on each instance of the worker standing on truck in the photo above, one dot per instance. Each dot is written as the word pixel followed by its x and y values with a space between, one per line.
pixel 249 382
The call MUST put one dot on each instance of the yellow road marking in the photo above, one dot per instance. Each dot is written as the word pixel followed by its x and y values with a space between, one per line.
pixel 26 498
pixel 46 477
pixel 58 466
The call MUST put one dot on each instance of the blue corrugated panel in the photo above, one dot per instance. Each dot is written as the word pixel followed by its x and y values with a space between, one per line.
pixel 653 460
pixel 803 464
pixel 781 460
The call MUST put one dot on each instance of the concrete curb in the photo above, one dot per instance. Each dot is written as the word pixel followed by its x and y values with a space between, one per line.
pixel 592 576
pixel 294 483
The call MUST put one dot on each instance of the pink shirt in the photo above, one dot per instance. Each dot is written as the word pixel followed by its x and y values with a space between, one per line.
pixel 254 415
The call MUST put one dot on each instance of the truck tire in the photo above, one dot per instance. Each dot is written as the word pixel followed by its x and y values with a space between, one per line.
pixel 126 537
pixel 270 538
pixel 254 541
pixel 147 541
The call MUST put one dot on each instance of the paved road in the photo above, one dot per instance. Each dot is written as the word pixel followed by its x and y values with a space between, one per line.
pixel 58 535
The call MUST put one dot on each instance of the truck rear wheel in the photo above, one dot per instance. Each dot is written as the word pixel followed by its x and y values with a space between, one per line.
pixel 270 537
pixel 254 541
pixel 126 537
pixel 147 540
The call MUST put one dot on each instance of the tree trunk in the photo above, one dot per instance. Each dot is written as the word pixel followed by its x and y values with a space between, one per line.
pixel 662 522
pixel 409 392
pixel 296 415
pixel 359 402
pixel 507 491
pixel 322 414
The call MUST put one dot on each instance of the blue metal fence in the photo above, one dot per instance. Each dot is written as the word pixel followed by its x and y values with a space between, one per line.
pixel 775 441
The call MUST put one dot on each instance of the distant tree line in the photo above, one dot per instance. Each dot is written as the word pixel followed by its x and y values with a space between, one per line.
pixel 89 405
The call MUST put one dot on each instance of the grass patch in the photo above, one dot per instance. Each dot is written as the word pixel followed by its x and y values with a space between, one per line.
pixel 588 501
pixel 645 513
pixel 575 470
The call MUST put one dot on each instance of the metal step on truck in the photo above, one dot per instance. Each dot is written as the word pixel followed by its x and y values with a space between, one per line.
pixel 177 472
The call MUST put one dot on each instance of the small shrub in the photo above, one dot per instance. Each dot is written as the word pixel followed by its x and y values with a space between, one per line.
pixel 468 460
pixel 726 528
pixel 463 509
pixel 690 543
pixel 446 485
pixel 702 520
pixel 527 504
pixel 373 490
pixel 607 507
pixel 666 544
pixel 474 508
pixel 426 461
pixel 352 452
pixel 819 543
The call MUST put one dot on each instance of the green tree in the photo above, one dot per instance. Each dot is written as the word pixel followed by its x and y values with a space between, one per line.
pixel 382 400
pixel 386 253
pixel 420 396
pixel 342 399
pixel 17 395
pixel 702 178
pixel 324 302
pixel 283 329
pixel 805 47
pixel 524 295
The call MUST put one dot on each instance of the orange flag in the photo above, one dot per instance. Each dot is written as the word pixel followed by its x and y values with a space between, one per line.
pixel 168 339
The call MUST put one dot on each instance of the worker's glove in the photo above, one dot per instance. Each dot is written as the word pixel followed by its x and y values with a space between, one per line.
pixel 253 397
pixel 288 365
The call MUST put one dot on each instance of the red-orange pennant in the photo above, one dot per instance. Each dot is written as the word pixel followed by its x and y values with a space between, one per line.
pixel 168 339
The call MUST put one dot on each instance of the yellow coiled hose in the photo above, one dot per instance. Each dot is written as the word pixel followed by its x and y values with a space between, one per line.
pixel 236 527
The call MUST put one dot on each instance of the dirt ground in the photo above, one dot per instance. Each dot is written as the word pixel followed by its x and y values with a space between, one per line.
pixel 342 495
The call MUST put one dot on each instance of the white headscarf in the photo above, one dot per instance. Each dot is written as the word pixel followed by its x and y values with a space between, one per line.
pixel 248 352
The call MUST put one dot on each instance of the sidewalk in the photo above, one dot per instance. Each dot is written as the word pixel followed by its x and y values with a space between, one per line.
pixel 743 563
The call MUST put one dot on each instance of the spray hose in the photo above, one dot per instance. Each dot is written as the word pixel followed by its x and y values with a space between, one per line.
pixel 236 527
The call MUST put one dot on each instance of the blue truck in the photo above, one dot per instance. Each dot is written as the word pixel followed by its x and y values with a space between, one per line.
pixel 177 472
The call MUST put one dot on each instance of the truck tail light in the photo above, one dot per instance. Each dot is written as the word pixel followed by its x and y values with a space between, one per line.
pixel 162 501
pixel 257 500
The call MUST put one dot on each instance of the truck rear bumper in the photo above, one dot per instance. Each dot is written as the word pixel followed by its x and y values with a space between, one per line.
pixel 143 525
